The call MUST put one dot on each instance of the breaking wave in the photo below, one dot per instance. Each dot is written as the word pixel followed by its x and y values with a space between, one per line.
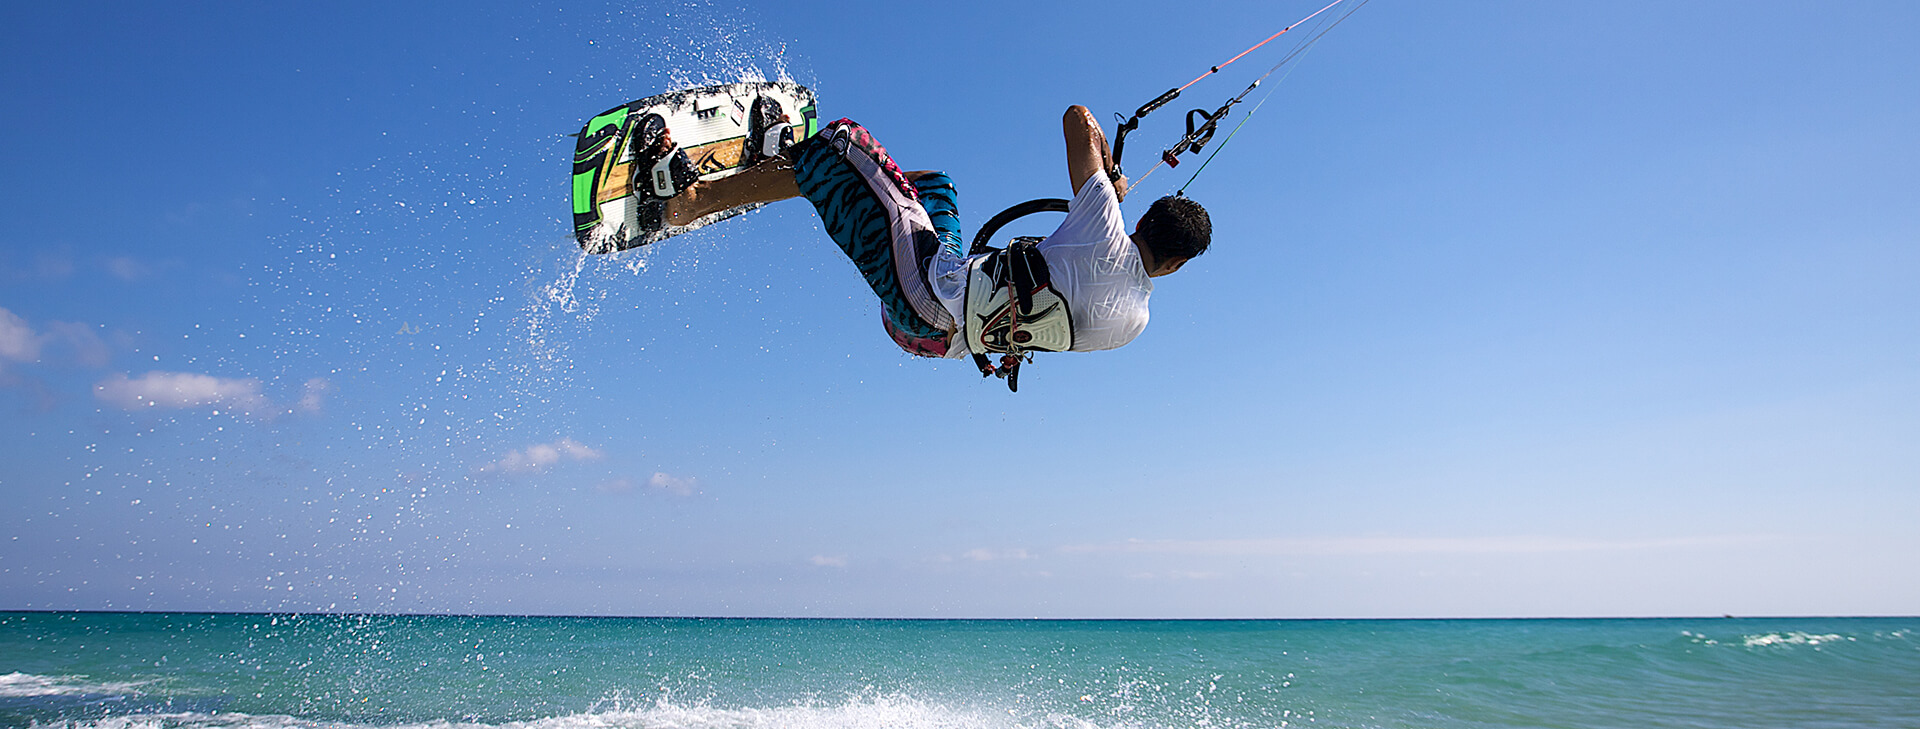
pixel 21 685
pixel 1794 638
pixel 861 713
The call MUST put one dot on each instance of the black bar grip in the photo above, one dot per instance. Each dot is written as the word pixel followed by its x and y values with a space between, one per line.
pixel 1163 100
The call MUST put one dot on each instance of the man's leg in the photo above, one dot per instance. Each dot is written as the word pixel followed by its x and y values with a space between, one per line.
pixel 870 210
pixel 769 181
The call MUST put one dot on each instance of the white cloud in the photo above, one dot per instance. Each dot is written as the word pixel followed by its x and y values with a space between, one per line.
pixel 675 485
pixel 1296 546
pixel 73 343
pixel 821 560
pixel 314 394
pixel 542 455
pixel 18 342
pixel 180 390
pixel 991 555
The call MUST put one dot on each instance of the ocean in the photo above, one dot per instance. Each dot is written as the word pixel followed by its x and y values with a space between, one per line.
pixel 247 671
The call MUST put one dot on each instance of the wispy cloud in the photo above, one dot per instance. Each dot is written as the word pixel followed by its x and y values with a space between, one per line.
pixel 995 555
pixel 676 485
pixel 125 268
pixel 66 345
pixel 1175 575
pixel 1318 546
pixel 314 394
pixel 540 456
pixel 53 266
pixel 80 341
pixel 181 390
pixel 62 263
pixel 821 560
pixel 18 341
pixel 62 341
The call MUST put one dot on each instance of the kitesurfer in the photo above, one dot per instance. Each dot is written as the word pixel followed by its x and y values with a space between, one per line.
pixel 902 231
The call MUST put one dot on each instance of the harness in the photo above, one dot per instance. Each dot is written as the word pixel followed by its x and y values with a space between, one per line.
pixel 1012 308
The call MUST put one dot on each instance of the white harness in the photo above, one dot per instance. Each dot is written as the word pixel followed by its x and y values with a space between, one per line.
pixel 1012 307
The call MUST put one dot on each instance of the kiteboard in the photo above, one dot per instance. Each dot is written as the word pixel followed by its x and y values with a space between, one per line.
pixel 711 124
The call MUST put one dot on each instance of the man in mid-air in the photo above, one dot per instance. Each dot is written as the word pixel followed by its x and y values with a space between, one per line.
pixel 1084 288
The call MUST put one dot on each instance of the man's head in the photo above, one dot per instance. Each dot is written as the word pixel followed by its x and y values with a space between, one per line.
pixel 1174 231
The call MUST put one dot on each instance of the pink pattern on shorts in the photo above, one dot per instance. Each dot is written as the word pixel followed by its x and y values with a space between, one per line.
pixel 863 139
pixel 917 346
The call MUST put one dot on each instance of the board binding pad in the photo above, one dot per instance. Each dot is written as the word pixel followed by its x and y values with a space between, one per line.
pixel 709 123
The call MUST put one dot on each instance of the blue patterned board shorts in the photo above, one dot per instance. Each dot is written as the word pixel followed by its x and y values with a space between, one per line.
pixel 858 221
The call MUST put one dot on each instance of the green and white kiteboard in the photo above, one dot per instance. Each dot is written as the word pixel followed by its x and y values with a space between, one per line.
pixel 709 123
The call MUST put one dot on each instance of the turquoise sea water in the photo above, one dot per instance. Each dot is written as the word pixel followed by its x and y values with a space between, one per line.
pixel 139 671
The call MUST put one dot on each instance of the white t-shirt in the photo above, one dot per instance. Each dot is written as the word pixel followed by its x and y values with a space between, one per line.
pixel 1091 261
pixel 1098 269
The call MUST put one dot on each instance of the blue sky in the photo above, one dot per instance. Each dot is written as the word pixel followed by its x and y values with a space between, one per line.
pixel 1513 309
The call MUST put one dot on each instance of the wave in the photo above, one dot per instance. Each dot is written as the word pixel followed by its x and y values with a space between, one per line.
pixel 860 713
pixel 1796 638
pixel 1793 638
pixel 23 685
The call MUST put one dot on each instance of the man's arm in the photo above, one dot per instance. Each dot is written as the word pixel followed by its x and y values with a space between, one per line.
pixel 1087 151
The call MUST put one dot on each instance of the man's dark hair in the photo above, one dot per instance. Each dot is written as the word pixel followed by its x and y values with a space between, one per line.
pixel 1176 227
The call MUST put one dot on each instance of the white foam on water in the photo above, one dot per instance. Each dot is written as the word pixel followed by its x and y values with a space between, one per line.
pixel 887 712
pixel 874 713
pixel 1793 638
pixel 26 684
pixel 1698 638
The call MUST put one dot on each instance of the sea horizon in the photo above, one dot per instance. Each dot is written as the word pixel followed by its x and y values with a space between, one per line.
pixel 4 611
pixel 105 670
